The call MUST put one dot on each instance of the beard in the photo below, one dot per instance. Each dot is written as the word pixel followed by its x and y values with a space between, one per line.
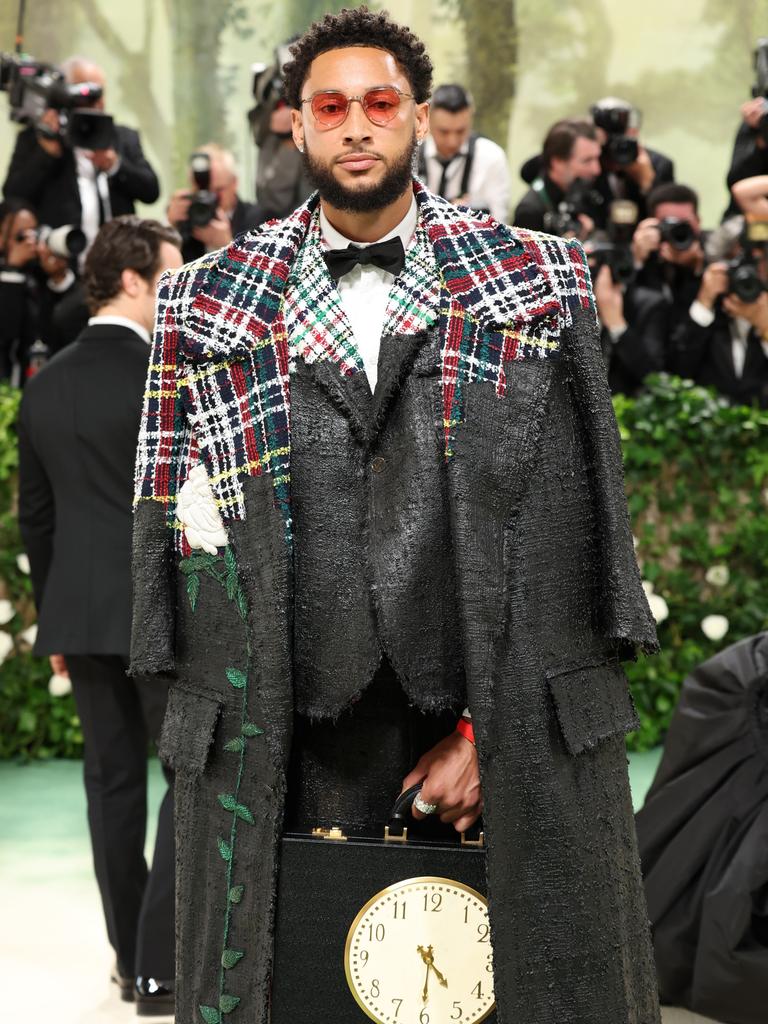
pixel 365 198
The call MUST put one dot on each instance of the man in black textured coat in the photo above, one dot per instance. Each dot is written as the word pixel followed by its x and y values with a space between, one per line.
pixel 378 482
pixel 77 445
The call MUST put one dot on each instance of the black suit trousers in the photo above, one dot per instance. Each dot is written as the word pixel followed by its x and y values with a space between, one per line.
pixel 119 715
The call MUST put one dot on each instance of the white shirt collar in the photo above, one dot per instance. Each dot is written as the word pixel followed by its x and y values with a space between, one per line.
pixel 430 149
pixel 405 229
pixel 122 321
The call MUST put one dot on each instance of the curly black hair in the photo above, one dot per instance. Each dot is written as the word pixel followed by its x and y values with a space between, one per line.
pixel 358 27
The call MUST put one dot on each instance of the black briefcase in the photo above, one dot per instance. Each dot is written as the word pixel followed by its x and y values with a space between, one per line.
pixel 393 928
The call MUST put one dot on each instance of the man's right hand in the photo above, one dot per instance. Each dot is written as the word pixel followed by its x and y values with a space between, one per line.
pixel 645 240
pixel 58 665
pixel 713 284
pixel 752 112
pixel 52 147
pixel 178 208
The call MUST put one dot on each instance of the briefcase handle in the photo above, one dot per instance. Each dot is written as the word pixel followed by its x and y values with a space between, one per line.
pixel 399 814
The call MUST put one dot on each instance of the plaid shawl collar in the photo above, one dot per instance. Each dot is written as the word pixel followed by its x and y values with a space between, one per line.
pixel 486 268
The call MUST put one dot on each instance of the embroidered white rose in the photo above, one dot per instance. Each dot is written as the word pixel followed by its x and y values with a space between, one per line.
pixel 197 512
pixel 714 627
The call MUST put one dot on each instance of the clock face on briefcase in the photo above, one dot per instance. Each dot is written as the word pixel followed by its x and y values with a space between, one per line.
pixel 419 952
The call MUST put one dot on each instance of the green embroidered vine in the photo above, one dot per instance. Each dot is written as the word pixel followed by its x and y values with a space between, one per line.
pixel 224 571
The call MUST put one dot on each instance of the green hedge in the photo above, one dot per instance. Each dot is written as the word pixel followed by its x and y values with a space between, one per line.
pixel 697 480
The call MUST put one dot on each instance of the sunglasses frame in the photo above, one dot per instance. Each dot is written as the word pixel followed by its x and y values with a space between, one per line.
pixel 351 99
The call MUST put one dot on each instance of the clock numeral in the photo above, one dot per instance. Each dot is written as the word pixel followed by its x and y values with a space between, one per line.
pixel 375 988
pixel 477 991
pixel 376 934
pixel 482 931
pixel 399 1004
pixel 423 1017
pixel 489 965
pixel 400 910
pixel 466 915
pixel 434 898
pixel 456 1015
pixel 364 954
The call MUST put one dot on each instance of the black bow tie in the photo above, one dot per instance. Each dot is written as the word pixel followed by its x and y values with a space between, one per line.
pixel 389 256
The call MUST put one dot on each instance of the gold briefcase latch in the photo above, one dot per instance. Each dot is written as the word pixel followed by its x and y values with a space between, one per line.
pixel 334 833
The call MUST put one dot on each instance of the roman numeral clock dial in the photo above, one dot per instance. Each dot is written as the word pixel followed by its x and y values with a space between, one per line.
pixel 419 952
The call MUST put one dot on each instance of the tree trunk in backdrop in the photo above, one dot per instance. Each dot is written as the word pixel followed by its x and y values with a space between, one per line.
pixel 490 32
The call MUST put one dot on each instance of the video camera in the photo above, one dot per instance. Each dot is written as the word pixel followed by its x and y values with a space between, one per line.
pixel 616 117
pixel 744 280
pixel 267 89
pixel 34 87
pixel 615 252
pixel 579 199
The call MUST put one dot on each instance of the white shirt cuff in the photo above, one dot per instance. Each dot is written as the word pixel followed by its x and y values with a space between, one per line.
pixel 700 314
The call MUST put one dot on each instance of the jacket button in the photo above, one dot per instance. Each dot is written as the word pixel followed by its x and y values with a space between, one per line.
pixel 379 464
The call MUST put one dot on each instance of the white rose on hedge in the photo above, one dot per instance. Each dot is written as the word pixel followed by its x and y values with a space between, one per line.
pixel 22 563
pixel 714 627
pixel 59 686
pixel 717 575
pixel 659 607
pixel 7 611
pixel 29 635
pixel 647 587
pixel 6 645
pixel 196 509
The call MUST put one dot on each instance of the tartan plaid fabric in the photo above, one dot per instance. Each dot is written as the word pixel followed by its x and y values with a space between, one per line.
pixel 230 325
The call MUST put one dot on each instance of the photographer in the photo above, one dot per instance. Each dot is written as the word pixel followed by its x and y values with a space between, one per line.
pixel 667 247
pixel 33 282
pixel 458 164
pixel 212 215
pixel 559 200
pixel 71 184
pixel 750 148
pixel 723 342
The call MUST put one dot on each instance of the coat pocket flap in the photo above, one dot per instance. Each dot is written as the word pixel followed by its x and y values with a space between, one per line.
pixel 188 729
pixel 592 702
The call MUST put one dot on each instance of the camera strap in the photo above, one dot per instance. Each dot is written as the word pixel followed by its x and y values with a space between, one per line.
pixel 539 187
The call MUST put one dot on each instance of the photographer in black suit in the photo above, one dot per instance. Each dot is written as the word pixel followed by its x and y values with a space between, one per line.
pixel 78 430
pixel 78 186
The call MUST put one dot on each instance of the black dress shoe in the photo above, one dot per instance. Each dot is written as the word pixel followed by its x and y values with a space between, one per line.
pixel 154 998
pixel 124 983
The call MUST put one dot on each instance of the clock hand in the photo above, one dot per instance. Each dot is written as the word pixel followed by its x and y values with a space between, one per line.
pixel 426 956
pixel 425 991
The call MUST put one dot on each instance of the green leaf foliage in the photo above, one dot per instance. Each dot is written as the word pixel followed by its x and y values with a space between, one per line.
pixel 249 729
pixel 227 801
pixel 193 589
pixel 224 849
pixel 231 957
pixel 236 678
pixel 228 1003
pixel 210 1014
pixel 236 745
pixel 236 893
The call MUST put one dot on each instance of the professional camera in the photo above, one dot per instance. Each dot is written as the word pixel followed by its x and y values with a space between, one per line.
pixel 760 88
pixel 679 233
pixel 579 199
pixel 65 241
pixel 615 117
pixel 203 203
pixel 267 89
pixel 616 251
pixel 744 280
pixel 34 87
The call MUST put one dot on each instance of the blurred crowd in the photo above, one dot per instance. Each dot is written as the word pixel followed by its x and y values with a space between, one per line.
pixel 671 294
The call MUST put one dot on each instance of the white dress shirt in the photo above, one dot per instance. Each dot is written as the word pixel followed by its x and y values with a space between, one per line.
pixel 489 183
pixel 740 330
pixel 365 290
pixel 94 195
pixel 122 321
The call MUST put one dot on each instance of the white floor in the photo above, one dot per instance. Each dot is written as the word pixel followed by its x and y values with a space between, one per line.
pixel 54 957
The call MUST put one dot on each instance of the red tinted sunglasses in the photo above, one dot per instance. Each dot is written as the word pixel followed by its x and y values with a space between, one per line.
pixel 380 104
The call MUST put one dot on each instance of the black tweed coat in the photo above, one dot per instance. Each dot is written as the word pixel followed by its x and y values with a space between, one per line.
pixel 549 599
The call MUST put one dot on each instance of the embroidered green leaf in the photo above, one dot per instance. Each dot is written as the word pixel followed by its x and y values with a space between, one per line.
pixel 210 1014
pixel 229 559
pixel 237 678
pixel 227 801
pixel 249 729
pixel 236 893
pixel 193 589
pixel 230 957
pixel 197 562
pixel 236 745
pixel 228 1003
pixel 244 813
pixel 225 849
pixel 231 585
pixel 242 605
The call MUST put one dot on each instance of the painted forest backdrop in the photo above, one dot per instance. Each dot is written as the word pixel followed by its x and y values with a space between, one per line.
pixel 179 69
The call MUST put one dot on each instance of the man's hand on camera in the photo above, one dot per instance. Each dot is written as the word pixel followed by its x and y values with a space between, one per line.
pixel 587 228
pixel 23 251
pixel 178 208
pixel 450 777
pixel 752 112
pixel 645 240
pixel 216 234
pixel 755 312
pixel 693 257
pixel 104 159
pixel 610 300
pixel 642 171
pixel 54 267
pixel 714 283
pixel 52 147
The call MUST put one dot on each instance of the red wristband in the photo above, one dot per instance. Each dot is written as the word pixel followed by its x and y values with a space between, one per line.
pixel 466 730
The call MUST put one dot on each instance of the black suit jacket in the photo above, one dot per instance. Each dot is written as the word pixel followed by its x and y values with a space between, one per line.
pixel 641 349
pixel 245 217
pixel 50 183
pixel 78 429
pixel 705 354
